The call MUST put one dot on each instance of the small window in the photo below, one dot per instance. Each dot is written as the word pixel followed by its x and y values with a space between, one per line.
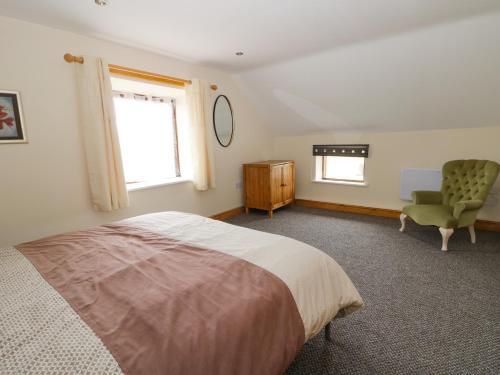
pixel 343 164
pixel 148 137
pixel 347 169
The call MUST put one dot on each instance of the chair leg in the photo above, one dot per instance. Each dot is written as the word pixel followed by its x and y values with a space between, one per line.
pixel 472 233
pixel 446 234
pixel 402 217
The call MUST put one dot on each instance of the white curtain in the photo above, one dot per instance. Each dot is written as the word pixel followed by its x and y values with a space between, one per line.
pixel 199 108
pixel 102 148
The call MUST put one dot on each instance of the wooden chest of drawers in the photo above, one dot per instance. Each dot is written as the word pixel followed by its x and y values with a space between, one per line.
pixel 269 184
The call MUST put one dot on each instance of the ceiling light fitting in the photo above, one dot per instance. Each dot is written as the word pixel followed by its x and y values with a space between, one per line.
pixel 239 53
pixel 101 3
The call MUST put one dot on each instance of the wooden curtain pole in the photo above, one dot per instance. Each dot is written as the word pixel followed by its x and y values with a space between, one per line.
pixel 135 73
pixel 70 58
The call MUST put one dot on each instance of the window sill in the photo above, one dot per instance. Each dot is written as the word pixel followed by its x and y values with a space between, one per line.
pixel 155 184
pixel 348 183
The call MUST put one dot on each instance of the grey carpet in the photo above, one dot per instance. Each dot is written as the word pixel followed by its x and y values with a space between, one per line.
pixel 427 311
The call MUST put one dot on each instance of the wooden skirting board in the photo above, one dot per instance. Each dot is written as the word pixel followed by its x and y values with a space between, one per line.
pixel 493 226
pixel 227 214
pixel 384 212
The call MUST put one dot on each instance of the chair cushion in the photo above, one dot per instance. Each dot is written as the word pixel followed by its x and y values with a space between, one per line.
pixel 431 214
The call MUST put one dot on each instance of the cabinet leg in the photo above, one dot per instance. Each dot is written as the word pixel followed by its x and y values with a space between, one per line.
pixel 270 213
pixel 247 210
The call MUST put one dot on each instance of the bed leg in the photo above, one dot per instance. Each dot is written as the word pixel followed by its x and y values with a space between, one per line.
pixel 328 332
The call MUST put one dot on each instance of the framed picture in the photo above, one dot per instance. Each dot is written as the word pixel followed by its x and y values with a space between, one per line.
pixel 11 118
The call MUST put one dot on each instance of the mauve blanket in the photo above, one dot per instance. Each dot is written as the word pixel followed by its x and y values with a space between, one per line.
pixel 164 307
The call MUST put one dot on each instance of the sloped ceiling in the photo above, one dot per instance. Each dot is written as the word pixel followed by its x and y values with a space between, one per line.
pixel 318 65
pixel 445 76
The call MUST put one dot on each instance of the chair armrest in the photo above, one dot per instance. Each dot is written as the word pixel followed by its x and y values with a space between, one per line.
pixel 462 206
pixel 427 197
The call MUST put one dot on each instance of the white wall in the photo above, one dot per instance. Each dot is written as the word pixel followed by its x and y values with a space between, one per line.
pixel 389 153
pixel 43 184
pixel 381 84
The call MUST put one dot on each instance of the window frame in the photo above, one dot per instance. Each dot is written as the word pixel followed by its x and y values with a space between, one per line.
pixel 338 180
pixel 138 185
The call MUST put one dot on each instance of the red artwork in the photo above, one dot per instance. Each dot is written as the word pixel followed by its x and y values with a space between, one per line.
pixel 9 121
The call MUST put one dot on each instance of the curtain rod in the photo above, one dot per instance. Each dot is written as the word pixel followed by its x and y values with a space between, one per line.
pixel 135 73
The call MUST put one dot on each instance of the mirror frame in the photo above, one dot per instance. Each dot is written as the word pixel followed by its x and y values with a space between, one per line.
pixel 232 120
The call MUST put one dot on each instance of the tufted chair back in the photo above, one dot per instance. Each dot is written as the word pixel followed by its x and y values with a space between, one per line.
pixel 467 180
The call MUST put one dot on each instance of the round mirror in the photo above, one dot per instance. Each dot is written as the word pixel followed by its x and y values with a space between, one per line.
pixel 223 120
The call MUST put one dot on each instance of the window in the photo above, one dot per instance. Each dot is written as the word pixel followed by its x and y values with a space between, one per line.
pixel 149 131
pixel 341 168
pixel 340 163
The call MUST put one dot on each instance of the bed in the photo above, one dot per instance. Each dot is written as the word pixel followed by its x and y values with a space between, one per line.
pixel 165 293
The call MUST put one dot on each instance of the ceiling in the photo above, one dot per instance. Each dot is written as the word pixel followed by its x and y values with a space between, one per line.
pixel 445 76
pixel 210 32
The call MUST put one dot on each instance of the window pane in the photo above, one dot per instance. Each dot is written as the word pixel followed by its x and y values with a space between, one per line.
pixel 146 136
pixel 344 168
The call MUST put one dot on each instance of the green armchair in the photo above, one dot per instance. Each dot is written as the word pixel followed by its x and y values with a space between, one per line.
pixel 465 186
